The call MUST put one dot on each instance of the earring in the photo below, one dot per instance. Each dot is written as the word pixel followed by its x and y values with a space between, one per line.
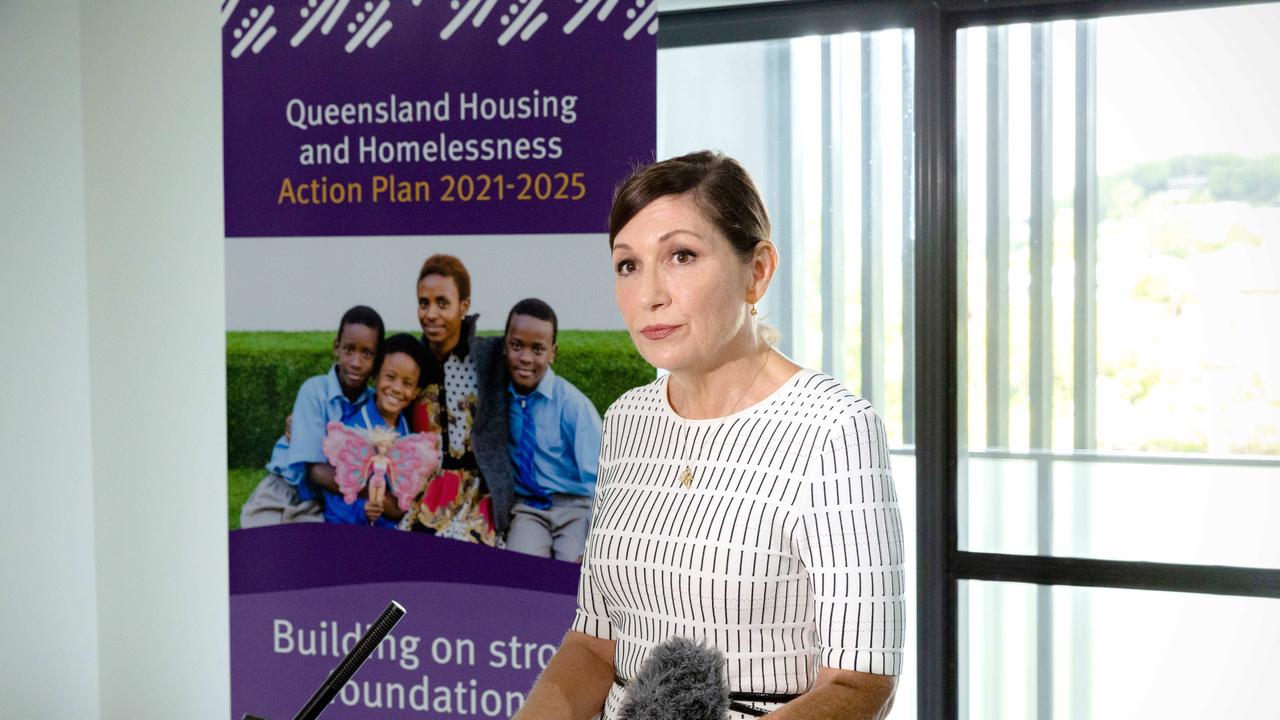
pixel 753 311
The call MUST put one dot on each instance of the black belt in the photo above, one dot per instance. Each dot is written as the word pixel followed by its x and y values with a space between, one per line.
pixel 736 699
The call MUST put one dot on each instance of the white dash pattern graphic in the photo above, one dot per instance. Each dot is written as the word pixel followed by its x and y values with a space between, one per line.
pixel 463 12
pixel 377 35
pixel 334 15
pixel 364 25
pixel 533 26
pixel 254 26
pixel 370 21
pixel 313 15
pixel 580 16
pixel 641 19
pixel 520 20
pixel 642 15
pixel 263 39
pixel 605 11
pixel 484 12
pixel 475 10
pixel 228 9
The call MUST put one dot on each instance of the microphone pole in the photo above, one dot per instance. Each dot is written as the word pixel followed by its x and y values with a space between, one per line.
pixel 352 662
pixel 333 684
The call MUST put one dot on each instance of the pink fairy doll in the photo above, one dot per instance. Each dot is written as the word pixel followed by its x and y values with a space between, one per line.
pixel 380 458
pixel 374 449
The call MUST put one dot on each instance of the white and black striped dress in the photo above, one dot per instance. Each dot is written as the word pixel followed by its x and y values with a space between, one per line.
pixel 785 551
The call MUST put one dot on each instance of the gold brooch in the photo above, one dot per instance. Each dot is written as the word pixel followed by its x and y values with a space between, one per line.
pixel 686 476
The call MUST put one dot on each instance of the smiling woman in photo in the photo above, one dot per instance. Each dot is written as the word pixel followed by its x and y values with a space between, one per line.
pixel 464 401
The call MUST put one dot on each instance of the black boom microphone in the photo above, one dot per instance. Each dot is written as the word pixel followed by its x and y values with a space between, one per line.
pixel 332 685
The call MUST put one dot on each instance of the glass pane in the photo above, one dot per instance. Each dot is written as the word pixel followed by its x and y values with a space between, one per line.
pixel 1000 491
pixel 1200 514
pixel 824 126
pixel 1107 653
pixel 1124 509
pixel 1120 389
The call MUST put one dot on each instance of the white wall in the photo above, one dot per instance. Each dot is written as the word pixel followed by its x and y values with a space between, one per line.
pixel 48 626
pixel 153 200
pixel 114 598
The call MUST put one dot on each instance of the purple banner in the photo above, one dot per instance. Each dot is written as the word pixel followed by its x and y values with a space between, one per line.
pixel 480 623
pixel 461 117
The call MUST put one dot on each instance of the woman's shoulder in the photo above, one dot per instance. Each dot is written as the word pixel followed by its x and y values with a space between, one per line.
pixel 639 400
pixel 850 431
pixel 827 396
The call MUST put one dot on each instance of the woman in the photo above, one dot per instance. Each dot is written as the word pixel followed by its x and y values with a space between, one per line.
pixel 464 400
pixel 743 501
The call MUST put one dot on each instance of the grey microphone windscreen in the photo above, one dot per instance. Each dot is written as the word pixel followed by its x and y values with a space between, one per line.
pixel 681 680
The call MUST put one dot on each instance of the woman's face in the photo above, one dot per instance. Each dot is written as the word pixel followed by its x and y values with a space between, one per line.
pixel 440 311
pixel 680 285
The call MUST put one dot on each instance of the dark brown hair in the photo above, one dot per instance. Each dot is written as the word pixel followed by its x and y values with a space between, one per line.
pixel 450 267
pixel 720 187
pixel 409 345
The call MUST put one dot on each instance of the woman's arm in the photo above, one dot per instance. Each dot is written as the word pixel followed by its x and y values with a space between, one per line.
pixel 575 683
pixel 840 544
pixel 843 694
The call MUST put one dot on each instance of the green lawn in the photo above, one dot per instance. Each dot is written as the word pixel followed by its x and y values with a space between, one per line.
pixel 265 370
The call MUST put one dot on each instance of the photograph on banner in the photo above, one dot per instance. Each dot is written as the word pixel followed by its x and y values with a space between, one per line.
pixel 421 334
pixel 437 383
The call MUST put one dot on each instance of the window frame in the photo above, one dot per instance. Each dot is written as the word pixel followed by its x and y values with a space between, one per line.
pixel 940 564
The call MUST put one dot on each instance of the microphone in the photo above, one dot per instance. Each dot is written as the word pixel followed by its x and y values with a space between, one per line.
pixel 352 662
pixel 681 680
pixel 332 685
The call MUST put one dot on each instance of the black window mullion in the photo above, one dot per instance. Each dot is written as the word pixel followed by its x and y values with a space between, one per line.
pixel 936 276
pixel 778 20
pixel 1119 574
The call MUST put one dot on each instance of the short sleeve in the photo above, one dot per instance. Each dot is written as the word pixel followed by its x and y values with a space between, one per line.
pixel 279 462
pixel 849 538
pixel 592 616
pixel 309 426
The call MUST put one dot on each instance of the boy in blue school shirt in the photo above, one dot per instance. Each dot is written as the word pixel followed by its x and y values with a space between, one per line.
pixel 298 465
pixel 554 441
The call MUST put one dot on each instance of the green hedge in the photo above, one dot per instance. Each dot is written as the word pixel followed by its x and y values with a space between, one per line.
pixel 265 369
pixel 240 484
